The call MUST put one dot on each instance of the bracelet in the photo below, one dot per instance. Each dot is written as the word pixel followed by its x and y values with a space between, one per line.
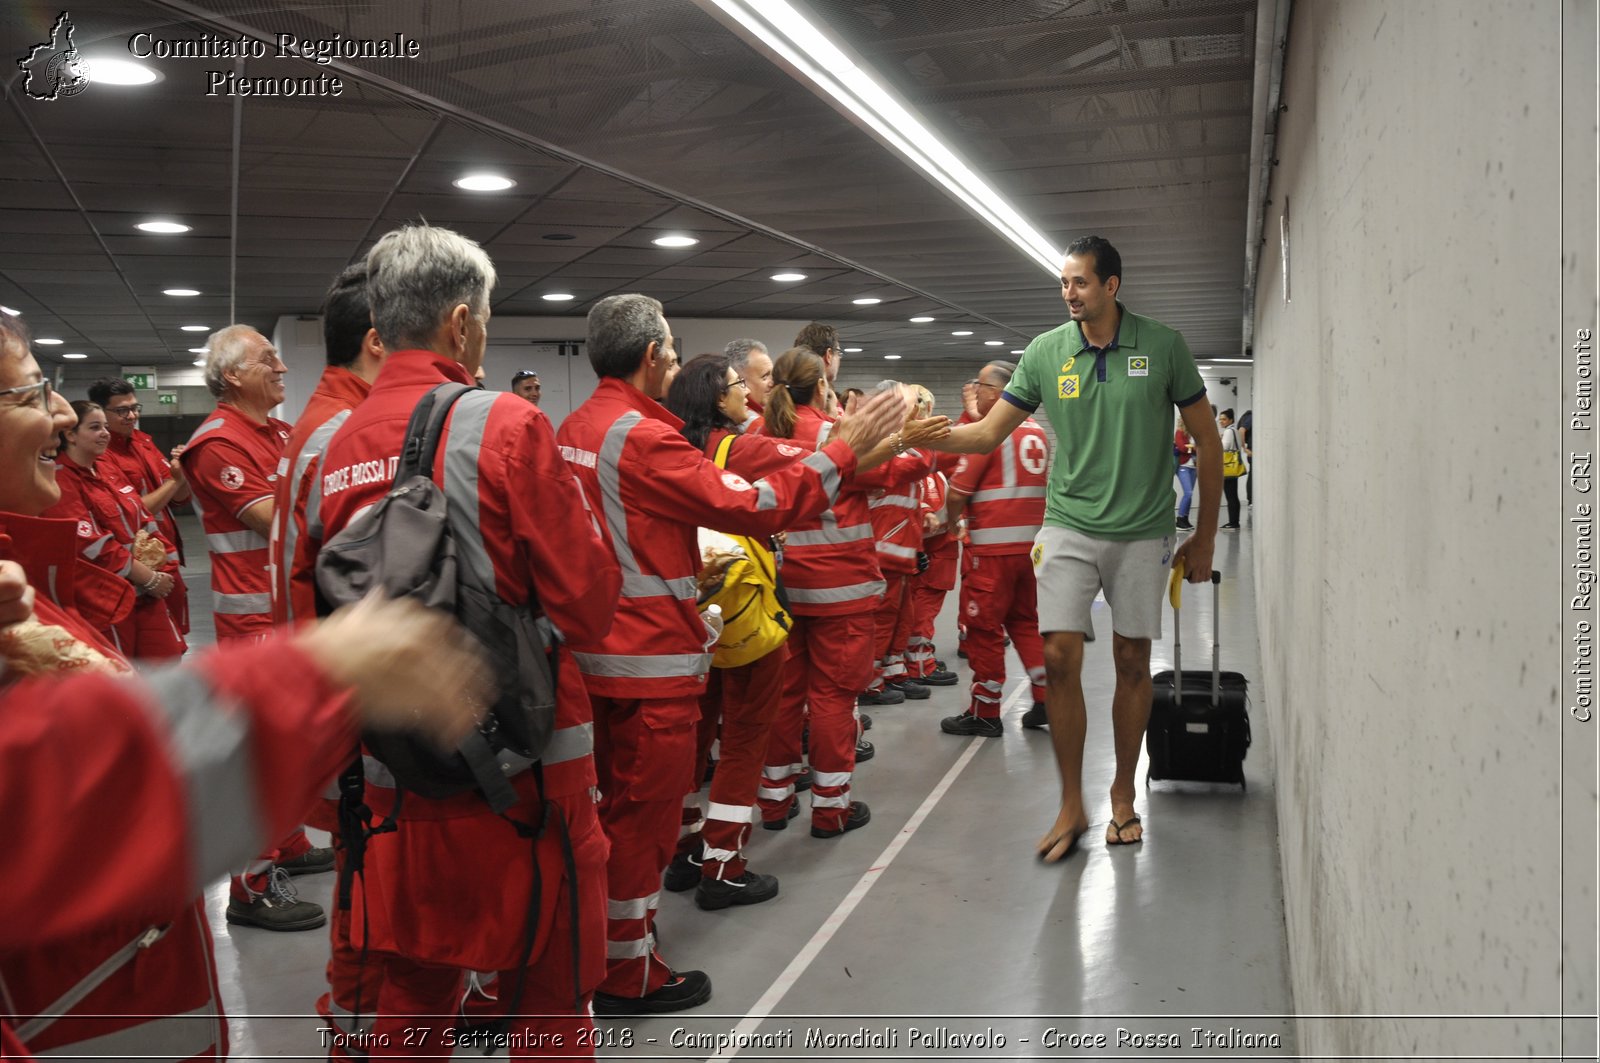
pixel 896 445
pixel 149 585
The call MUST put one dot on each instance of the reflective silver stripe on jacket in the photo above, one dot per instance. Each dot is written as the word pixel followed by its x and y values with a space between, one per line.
pixel 569 744
pixel 316 445
pixel 831 480
pixel 904 501
pixel 996 493
pixel 236 542
pixel 824 536
pixel 660 666
pixel 992 536
pixel 173 1037
pixel 459 453
pixel 94 549
pixel 241 604
pixel 211 756
pixel 209 426
pixel 908 553
pixel 635 582
pixel 824 595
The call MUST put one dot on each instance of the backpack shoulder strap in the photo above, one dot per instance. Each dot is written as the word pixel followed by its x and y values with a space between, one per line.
pixel 425 428
pixel 724 448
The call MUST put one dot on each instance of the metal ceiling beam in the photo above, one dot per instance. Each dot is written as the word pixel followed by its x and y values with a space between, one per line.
pixel 1202 72
pixel 1189 21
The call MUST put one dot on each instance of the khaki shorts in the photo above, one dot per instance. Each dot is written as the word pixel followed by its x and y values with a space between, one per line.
pixel 1071 568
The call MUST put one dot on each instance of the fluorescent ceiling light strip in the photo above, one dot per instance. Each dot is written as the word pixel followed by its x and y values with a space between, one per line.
pixel 787 32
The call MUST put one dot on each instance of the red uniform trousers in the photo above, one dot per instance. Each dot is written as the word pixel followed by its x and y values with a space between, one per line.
pixel 353 985
pixel 747 700
pixel 149 633
pixel 416 996
pixel 830 663
pixel 1002 599
pixel 891 631
pixel 645 758
pixel 253 882
pixel 927 599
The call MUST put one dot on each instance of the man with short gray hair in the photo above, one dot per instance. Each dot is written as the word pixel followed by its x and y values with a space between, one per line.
pixel 652 489
pixel 486 889
pixel 231 464
pixel 751 361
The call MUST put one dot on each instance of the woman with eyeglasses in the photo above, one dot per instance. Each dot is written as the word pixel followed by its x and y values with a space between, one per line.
pixel 118 534
pixel 121 795
pixel 712 400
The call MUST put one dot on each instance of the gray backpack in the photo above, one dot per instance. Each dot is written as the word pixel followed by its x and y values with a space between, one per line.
pixel 405 545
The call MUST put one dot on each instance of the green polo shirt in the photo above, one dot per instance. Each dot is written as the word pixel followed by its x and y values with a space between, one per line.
pixel 1112 415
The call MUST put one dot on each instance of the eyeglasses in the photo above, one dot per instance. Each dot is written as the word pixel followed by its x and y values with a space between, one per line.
pixel 981 384
pixel 739 383
pixel 523 374
pixel 42 387
pixel 125 411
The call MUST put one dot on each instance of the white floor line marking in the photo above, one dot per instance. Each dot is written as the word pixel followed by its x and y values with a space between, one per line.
pixel 830 926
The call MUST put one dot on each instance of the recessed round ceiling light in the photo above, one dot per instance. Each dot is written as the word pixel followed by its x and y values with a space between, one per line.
pixel 200 362
pixel 194 328
pixel 922 320
pixel 962 332
pixel 199 350
pixel 121 72
pixel 1019 350
pixel 75 357
pixel 160 226
pixel 180 291
pixel 8 310
pixel 558 297
pixel 994 343
pixel 891 357
pixel 484 182
pixel 788 276
pixel 674 240
pixel 866 301
pixel 45 341
pixel 559 236
pixel 852 350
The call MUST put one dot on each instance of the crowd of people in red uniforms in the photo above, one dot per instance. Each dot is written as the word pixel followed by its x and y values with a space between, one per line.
pixel 594 529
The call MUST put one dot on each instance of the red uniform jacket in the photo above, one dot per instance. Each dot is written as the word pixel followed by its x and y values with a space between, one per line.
pixel 830 562
pixel 451 886
pixel 296 516
pixel 143 465
pixel 653 490
pixel 232 463
pixel 121 760
pixel 896 514
pixel 1006 492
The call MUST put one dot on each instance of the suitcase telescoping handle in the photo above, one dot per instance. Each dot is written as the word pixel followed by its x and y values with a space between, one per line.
pixel 1177 639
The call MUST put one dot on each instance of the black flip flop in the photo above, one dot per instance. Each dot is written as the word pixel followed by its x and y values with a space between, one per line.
pixel 1118 828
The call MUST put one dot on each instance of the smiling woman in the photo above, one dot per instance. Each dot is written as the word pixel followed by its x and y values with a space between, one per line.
pixel 118 535
pixel 144 753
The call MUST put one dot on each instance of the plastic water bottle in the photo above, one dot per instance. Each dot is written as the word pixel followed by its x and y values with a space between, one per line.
pixel 713 621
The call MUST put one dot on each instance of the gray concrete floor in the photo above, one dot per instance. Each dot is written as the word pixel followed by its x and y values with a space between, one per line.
pixel 935 922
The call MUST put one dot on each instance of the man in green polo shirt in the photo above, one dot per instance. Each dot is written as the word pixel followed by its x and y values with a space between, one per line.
pixel 1107 380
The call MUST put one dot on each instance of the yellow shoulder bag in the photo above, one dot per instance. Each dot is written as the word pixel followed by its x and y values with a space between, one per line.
pixel 755 620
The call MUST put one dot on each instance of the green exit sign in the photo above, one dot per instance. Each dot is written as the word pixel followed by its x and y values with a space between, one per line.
pixel 167 398
pixel 142 381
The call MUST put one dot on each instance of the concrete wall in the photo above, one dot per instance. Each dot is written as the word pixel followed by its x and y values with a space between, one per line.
pixel 1406 521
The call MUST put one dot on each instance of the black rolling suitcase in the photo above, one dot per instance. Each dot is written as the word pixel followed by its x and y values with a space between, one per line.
pixel 1199 728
